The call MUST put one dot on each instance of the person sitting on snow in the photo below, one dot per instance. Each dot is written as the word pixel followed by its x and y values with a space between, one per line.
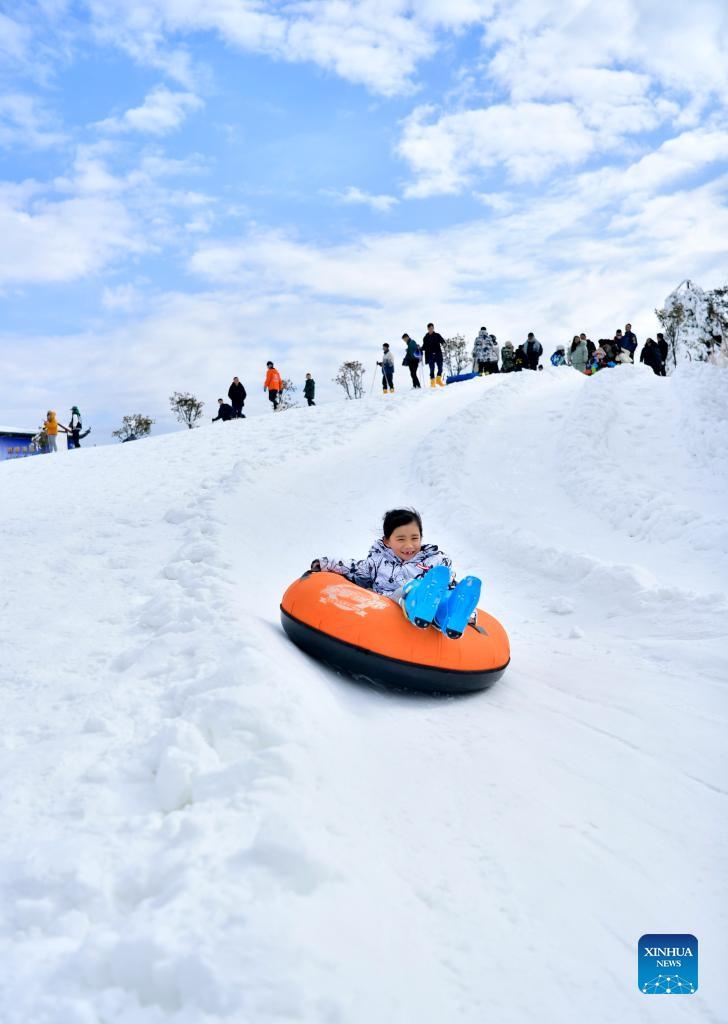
pixel 417 576
pixel 559 356
pixel 224 411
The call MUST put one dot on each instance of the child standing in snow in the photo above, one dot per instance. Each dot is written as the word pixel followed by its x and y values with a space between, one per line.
pixel 309 389
pixel 387 365
pixel 415 575
pixel 51 426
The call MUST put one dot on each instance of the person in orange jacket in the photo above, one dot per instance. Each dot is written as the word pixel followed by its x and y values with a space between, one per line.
pixel 51 427
pixel 273 385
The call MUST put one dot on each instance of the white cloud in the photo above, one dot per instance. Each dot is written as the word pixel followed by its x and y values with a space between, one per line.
pixel 93 216
pixel 530 139
pixel 161 112
pixel 377 43
pixel 24 122
pixel 14 38
pixel 357 197
pixel 571 80
pixel 123 297
pixel 62 241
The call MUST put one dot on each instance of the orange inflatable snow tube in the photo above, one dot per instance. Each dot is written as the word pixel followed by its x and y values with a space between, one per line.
pixel 365 634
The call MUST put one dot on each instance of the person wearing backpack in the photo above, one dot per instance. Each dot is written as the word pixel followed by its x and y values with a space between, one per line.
pixel 412 358
pixel 533 350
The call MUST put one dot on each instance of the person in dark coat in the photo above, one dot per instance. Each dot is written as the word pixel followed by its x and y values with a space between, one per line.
pixel 237 396
pixel 611 346
pixel 432 348
pixel 519 359
pixel 309 389
pixel 508 357
pixel 629 342
pixel 224 412
pixel 662 345
pixel 412 359
pixel 651 357
pixel 533 350
pixel 75 427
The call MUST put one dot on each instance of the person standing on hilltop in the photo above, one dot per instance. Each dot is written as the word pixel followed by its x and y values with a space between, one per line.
pixel 51 427
pixel 480 346
pixel 237 396
pixel 75 427
pixel 412 358
pixel 273 385
pixel 309 389
pixel 387 365
pixel 533 350
pixel 628 343
pixel 432 348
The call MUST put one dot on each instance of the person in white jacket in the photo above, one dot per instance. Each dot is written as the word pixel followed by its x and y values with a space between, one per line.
pixel 387 365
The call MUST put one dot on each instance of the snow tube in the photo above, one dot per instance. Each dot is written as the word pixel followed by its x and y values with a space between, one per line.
pixel 365 635
pixel 454 379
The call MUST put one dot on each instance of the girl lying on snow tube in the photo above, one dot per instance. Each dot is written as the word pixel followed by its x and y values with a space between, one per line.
pixel 418 577
pixel 346 613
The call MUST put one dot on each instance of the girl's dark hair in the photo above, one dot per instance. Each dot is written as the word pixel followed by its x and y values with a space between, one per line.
pixel 397 517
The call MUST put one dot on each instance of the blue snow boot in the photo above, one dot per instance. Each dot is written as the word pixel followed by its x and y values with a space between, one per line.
pixel 457 607
pixel 423 596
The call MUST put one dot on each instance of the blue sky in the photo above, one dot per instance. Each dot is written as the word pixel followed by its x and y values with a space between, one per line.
pixel 191 187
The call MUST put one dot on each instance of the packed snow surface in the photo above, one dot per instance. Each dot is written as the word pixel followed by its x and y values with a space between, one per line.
pixel 202 824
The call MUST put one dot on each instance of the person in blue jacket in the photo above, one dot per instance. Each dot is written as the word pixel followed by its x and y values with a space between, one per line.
pixel 412 358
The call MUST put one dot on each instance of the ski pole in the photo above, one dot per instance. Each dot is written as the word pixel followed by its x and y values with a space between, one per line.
pixel 371 386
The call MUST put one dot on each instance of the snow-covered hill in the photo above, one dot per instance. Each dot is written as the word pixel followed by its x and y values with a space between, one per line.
pixel 200 824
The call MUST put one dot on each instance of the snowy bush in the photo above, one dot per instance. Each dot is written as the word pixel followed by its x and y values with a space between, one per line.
pixel 694 323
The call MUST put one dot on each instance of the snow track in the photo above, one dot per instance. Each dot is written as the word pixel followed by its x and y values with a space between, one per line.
pixel 204 825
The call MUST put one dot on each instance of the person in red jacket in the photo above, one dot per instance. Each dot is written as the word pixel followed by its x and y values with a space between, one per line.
pixel 273 385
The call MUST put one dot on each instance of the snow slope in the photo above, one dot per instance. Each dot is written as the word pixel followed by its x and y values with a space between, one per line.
pixel 200 824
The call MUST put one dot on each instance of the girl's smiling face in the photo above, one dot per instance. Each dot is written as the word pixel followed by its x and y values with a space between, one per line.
pixel 405 541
